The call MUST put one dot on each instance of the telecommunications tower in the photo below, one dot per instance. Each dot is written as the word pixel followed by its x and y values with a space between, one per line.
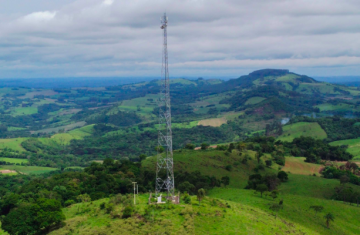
pixel 164 166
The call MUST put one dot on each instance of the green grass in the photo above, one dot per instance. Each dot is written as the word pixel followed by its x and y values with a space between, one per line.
pixel 14 160
pixel 12 128
pixel 28 169
pixel 297 165
pixel 331 107
pixel 254 100
pixel 23 111
pixel 65 138
pixel 354 146
pixel 210 217
pixel 213 163
pixel 312 129
pixel 14 144
pixel 296 211
pixel 184 124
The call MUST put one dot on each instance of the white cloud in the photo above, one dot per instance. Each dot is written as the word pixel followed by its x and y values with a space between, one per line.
pixel 108 2
pixel 39 16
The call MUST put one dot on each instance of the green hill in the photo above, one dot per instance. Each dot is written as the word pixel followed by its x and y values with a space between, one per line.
pixel 311 129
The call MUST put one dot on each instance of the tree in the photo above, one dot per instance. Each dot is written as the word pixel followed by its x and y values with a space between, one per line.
pixel 225 180
pixel 268 163
pixel 258 155
pixel 204 146
pixel 329 217
pixel 34 217
pixel 142 157
pixel 275 207
pixel 344 179
pixel 261 188
pixel 317 209
pixel 159 149
pixel 200 194
pixel 186 187
pixel 283 176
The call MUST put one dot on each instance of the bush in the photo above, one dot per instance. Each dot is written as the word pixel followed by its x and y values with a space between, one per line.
pixel 109 207
pixel 69 203
pixel 186 198
pixel 228 167
pixel 268 163
pixel 128 210
pixel 283 176
pixel 102 206
pixel 189 146
pixel 204 146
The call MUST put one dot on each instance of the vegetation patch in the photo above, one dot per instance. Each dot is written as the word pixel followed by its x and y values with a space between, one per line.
pixel 254 100
pixel 308 129
pixel 215 122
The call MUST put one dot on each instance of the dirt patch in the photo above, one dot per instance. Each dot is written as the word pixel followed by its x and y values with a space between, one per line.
pixel 215 122
pixel 7 171
pixel 212 146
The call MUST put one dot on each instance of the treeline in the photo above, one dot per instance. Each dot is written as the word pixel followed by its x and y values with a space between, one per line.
pixel 313 150
pixel 35 207
pixel 336 128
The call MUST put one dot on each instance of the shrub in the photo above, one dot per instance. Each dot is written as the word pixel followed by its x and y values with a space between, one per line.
pixel 190 146
pixel 228 167
pixel 69 203
pixel 283 176
pixel 109 207
pixel 128 210
pixel 102 206
pixel 186 198
pixel 268 163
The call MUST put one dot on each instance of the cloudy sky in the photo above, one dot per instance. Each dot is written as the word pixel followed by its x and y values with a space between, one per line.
pixel 208 38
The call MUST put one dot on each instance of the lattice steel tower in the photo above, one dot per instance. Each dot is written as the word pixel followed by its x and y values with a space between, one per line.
pixel 164 167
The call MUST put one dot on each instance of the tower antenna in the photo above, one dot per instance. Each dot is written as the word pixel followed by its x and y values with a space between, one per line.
pixel 164 167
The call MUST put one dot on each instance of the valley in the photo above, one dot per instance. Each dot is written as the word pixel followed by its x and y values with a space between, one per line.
pixel 79 149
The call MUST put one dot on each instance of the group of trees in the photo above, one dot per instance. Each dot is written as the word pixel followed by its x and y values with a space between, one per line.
pixel 35 204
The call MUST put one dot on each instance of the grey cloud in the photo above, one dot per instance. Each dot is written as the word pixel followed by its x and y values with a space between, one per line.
pixel 206 37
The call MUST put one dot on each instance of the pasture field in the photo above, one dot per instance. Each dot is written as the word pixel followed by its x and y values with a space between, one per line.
pixel 254 100
pixel 13 160
pixel 292 131
pixel 296 211
pixel 215 122
pixel 331 107
pixel 28 169
pixel 184 124
pixel 14 144
pixel 297 165
pixel 23 111
pixel 233 115
pixel 354 146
